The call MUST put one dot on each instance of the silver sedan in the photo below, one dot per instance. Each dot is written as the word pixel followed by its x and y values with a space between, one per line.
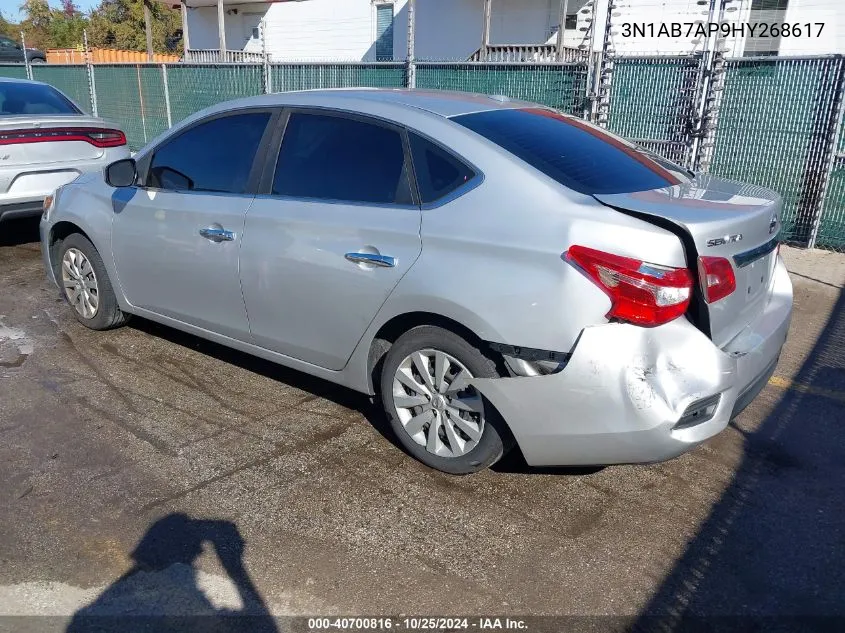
pixel 499 274
pixel 45 142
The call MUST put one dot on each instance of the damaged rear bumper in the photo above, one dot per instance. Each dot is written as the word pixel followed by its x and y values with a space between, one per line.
pixel 622 396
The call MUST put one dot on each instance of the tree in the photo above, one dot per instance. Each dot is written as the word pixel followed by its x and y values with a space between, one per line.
pixel 69 8
pixel 67 26
pixel 9 29
pixel 36 24
pixel 52 28
pixel 120 24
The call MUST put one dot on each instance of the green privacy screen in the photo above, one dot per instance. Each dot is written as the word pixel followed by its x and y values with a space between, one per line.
pixel 560 86
pixel 832 228
pixel 293 76
pixel 198 86
pixel 773 123
pixel 776 124
pixel 72 80
pixel 13 71
pixel 133 97
pixel 652 100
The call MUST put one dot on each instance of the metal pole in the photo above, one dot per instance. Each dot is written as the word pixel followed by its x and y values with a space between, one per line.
pixel 707 69
pixel 26 57
pixel 268 74
pixel 412 27
pixel 92 84
pixel 186 42
pixel 603 71
pixel 485 32
pixel 141 101
pixel 561 28
pixel 221 30
pixel 830 155
pixel 148 28
pixel 591 63
pixel 166 94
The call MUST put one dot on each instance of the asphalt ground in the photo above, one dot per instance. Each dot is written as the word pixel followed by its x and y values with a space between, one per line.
pixel 148 471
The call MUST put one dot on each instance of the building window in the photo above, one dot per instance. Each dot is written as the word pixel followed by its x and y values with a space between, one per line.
pixel 765 11
pixel 384 32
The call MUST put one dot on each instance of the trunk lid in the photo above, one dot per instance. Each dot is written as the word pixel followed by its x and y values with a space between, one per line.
pixel 23 140
pixel 719 218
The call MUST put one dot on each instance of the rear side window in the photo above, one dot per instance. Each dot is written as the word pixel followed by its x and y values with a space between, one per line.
pixel 576 154
pixel 438 172
pixel 213 156
pixel 21 98
pixel 337 158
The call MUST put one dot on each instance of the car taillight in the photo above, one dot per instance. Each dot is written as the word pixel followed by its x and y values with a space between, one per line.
pixel 642 293
pixel 98 137
pixel 717 278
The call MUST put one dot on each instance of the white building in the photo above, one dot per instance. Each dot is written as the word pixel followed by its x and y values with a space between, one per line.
pixel 371 30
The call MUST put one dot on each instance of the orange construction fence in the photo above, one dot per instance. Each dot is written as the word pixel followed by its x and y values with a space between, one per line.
pixel 104 56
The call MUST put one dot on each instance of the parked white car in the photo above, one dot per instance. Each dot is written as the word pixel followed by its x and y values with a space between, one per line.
pixel 45 142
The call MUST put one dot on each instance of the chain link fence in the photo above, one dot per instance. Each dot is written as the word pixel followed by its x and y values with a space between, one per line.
pixel 300 76
pixel 71 80
pixel 775 122
pixel 774 129
pixel 561 86
pixel 133 96
pixel 195 87
pixel 831 228
pixel 652 101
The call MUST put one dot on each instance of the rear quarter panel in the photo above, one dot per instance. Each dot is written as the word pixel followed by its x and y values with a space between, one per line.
pixel 493 259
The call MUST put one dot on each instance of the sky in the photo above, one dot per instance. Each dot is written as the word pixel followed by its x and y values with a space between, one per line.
pixel 11 12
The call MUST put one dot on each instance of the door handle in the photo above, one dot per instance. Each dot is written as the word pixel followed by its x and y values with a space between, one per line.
pixel 380 261
pixel 217 234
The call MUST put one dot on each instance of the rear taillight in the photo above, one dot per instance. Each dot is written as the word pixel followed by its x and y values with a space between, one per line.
pixel 717 278
pixel 98 137
pixel 644 294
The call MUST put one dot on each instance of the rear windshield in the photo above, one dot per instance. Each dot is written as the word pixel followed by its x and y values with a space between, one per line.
pixel 24 98
pixel 577 154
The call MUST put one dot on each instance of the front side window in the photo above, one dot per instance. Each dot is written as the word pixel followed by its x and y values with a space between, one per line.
pixel 438 172
pixel 213 156
pixel 578 155
pixel 338 158
pixel 26 98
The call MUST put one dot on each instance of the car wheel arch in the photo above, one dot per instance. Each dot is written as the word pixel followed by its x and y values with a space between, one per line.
pixel 397 325
pixel 59 232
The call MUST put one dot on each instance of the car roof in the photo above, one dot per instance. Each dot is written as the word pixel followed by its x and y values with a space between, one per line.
pixel 441 102
pixel 15 80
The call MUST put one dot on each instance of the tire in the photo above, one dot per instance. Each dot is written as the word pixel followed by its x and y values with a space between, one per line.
pixel 106 314
pixel 473 453
pixel 37 60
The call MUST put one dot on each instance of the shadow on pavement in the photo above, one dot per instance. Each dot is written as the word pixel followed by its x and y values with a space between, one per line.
pixel 771 555
pixel 514 462
pixel 19 231
pixel 315 386
pixel 161 592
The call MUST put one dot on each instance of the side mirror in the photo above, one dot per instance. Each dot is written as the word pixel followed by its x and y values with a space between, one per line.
pixel 122 173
